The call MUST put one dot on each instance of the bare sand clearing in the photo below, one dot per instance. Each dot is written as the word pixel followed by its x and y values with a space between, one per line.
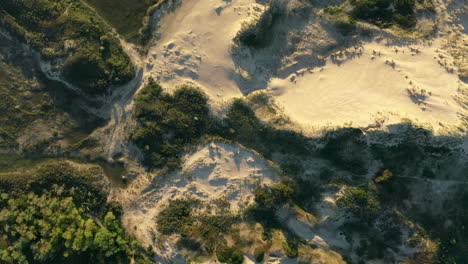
pixel 398 82
pixel 213 171
pixel 195 45
pixel 196 39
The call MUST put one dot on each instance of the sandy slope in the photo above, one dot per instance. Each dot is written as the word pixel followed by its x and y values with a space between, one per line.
pixel 213 171
pixel 398 82
pixel 195 45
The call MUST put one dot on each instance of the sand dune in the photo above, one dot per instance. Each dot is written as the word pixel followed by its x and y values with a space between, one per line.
pixel 398 82
pixel 213 171
pixel 195 45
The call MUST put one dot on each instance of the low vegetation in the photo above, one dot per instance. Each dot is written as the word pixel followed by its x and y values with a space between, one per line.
pixel 230 255
pixel 59 214
pixel 19 104
pixel 168 122
pixel 259 34
pixel 175 217
pixel 130 18
pixel 359 202
pixel 344 22
pixel 385 13
pixel 69 31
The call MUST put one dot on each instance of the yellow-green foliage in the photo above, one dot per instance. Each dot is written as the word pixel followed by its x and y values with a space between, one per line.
pixel 386 175
pixel 50 227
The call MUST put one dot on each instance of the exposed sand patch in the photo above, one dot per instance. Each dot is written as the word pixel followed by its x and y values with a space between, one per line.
pixel 213 171
pixel 403 81
pixel 195 45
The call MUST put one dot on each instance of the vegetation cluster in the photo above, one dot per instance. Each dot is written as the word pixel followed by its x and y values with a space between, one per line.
pixel 93 59
pixel 59 214
pixel 130 18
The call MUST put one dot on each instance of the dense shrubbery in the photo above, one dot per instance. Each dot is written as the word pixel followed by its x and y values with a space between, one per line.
pixel 347 149
pixel 166 123
pixel 211 229
pixel 178 217
pixel 273 196
pixel 47 228
pixel 241 125
pixel 230 255
pixel 385 13
pixel 361 203
pixel 175 217
pixel 290 250
pixel 267 200
pixel 60 28
pixel 344 22
pixel 51 217
pixel 130 18
pixel 81 185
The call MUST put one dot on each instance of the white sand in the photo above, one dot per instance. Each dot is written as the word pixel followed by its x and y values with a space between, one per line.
pixel 195 45
pixel 362 87
pixel 213 171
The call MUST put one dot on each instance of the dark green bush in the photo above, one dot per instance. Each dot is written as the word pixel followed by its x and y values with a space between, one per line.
pixel 274 196
pixel 211 228
pixel 385 13
pixel 95 64
pixel 347 149
pixel 230 255
pixel 260 34
pixel 361 203
pixel 175 217
pixel 58 214
pixel 259 254
pixel 166 123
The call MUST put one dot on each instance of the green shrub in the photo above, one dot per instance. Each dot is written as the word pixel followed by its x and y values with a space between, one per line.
pixel 343 21
pixel 359 202
pixel 95 64
pixel 175 217
pixel 166 123
pixel 260 34
pixel 259 254
pixel 230 255
pixel 52 215
pixel 274 196
pixel 290 250
pixel 385 13
pixel 267 201
pixel 347 149
pixel 211 228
